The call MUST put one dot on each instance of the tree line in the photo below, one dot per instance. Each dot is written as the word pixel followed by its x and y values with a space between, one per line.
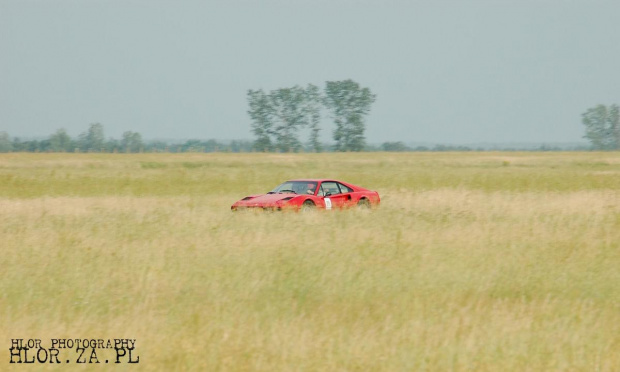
pixel 93 140
pixel 132 142
pixel 278 116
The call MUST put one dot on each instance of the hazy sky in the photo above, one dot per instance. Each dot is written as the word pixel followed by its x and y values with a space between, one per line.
pixel 460 71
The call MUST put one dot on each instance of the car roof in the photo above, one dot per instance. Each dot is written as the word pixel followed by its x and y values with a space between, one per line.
pixel 321 180
pixel 313 180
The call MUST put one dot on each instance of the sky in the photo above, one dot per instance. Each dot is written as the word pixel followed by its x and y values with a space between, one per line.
pixel 444 71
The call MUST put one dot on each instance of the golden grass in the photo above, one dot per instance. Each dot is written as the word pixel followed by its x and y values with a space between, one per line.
pixel 473 262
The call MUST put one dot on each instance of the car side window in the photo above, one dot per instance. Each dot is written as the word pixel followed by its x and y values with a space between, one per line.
pixel 344 189
pixel 330 187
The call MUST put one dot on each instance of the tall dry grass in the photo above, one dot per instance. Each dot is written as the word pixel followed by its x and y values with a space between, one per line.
pixel 474 262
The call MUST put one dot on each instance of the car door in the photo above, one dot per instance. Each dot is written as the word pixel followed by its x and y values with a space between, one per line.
pixel 332 196
pixel 345 195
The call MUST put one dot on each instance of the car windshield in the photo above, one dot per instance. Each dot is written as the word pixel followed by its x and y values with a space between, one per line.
pixel 296 187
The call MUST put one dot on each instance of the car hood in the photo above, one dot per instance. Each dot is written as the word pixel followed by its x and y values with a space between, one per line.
pixel 266 199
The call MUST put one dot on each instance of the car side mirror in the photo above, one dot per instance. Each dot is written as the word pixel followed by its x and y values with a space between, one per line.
pixel 328 194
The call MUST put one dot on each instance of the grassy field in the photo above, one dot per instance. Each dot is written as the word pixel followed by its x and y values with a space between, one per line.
pixel 473 262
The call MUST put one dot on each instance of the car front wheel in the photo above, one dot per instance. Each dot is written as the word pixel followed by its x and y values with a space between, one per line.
pixel 308 205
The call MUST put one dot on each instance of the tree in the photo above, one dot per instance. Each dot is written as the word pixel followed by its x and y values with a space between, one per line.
pixel 288 115
pixel 603 127
pixel 131 142
pixel 278 116
pixel 92 140
pixel 394 146
pixel 156 146
pixel 613 121
pixel 112 145
pixel 211 145
pixel 193 145
pixel 60 141
pixel 260 113
pixel 348 103
pixel 5 142
pixel 313 112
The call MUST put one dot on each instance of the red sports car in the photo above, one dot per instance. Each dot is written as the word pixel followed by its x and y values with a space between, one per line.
pixel 307 194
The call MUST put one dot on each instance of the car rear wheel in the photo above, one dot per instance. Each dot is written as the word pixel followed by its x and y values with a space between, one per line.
pixel 308 205
pixel 363 204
